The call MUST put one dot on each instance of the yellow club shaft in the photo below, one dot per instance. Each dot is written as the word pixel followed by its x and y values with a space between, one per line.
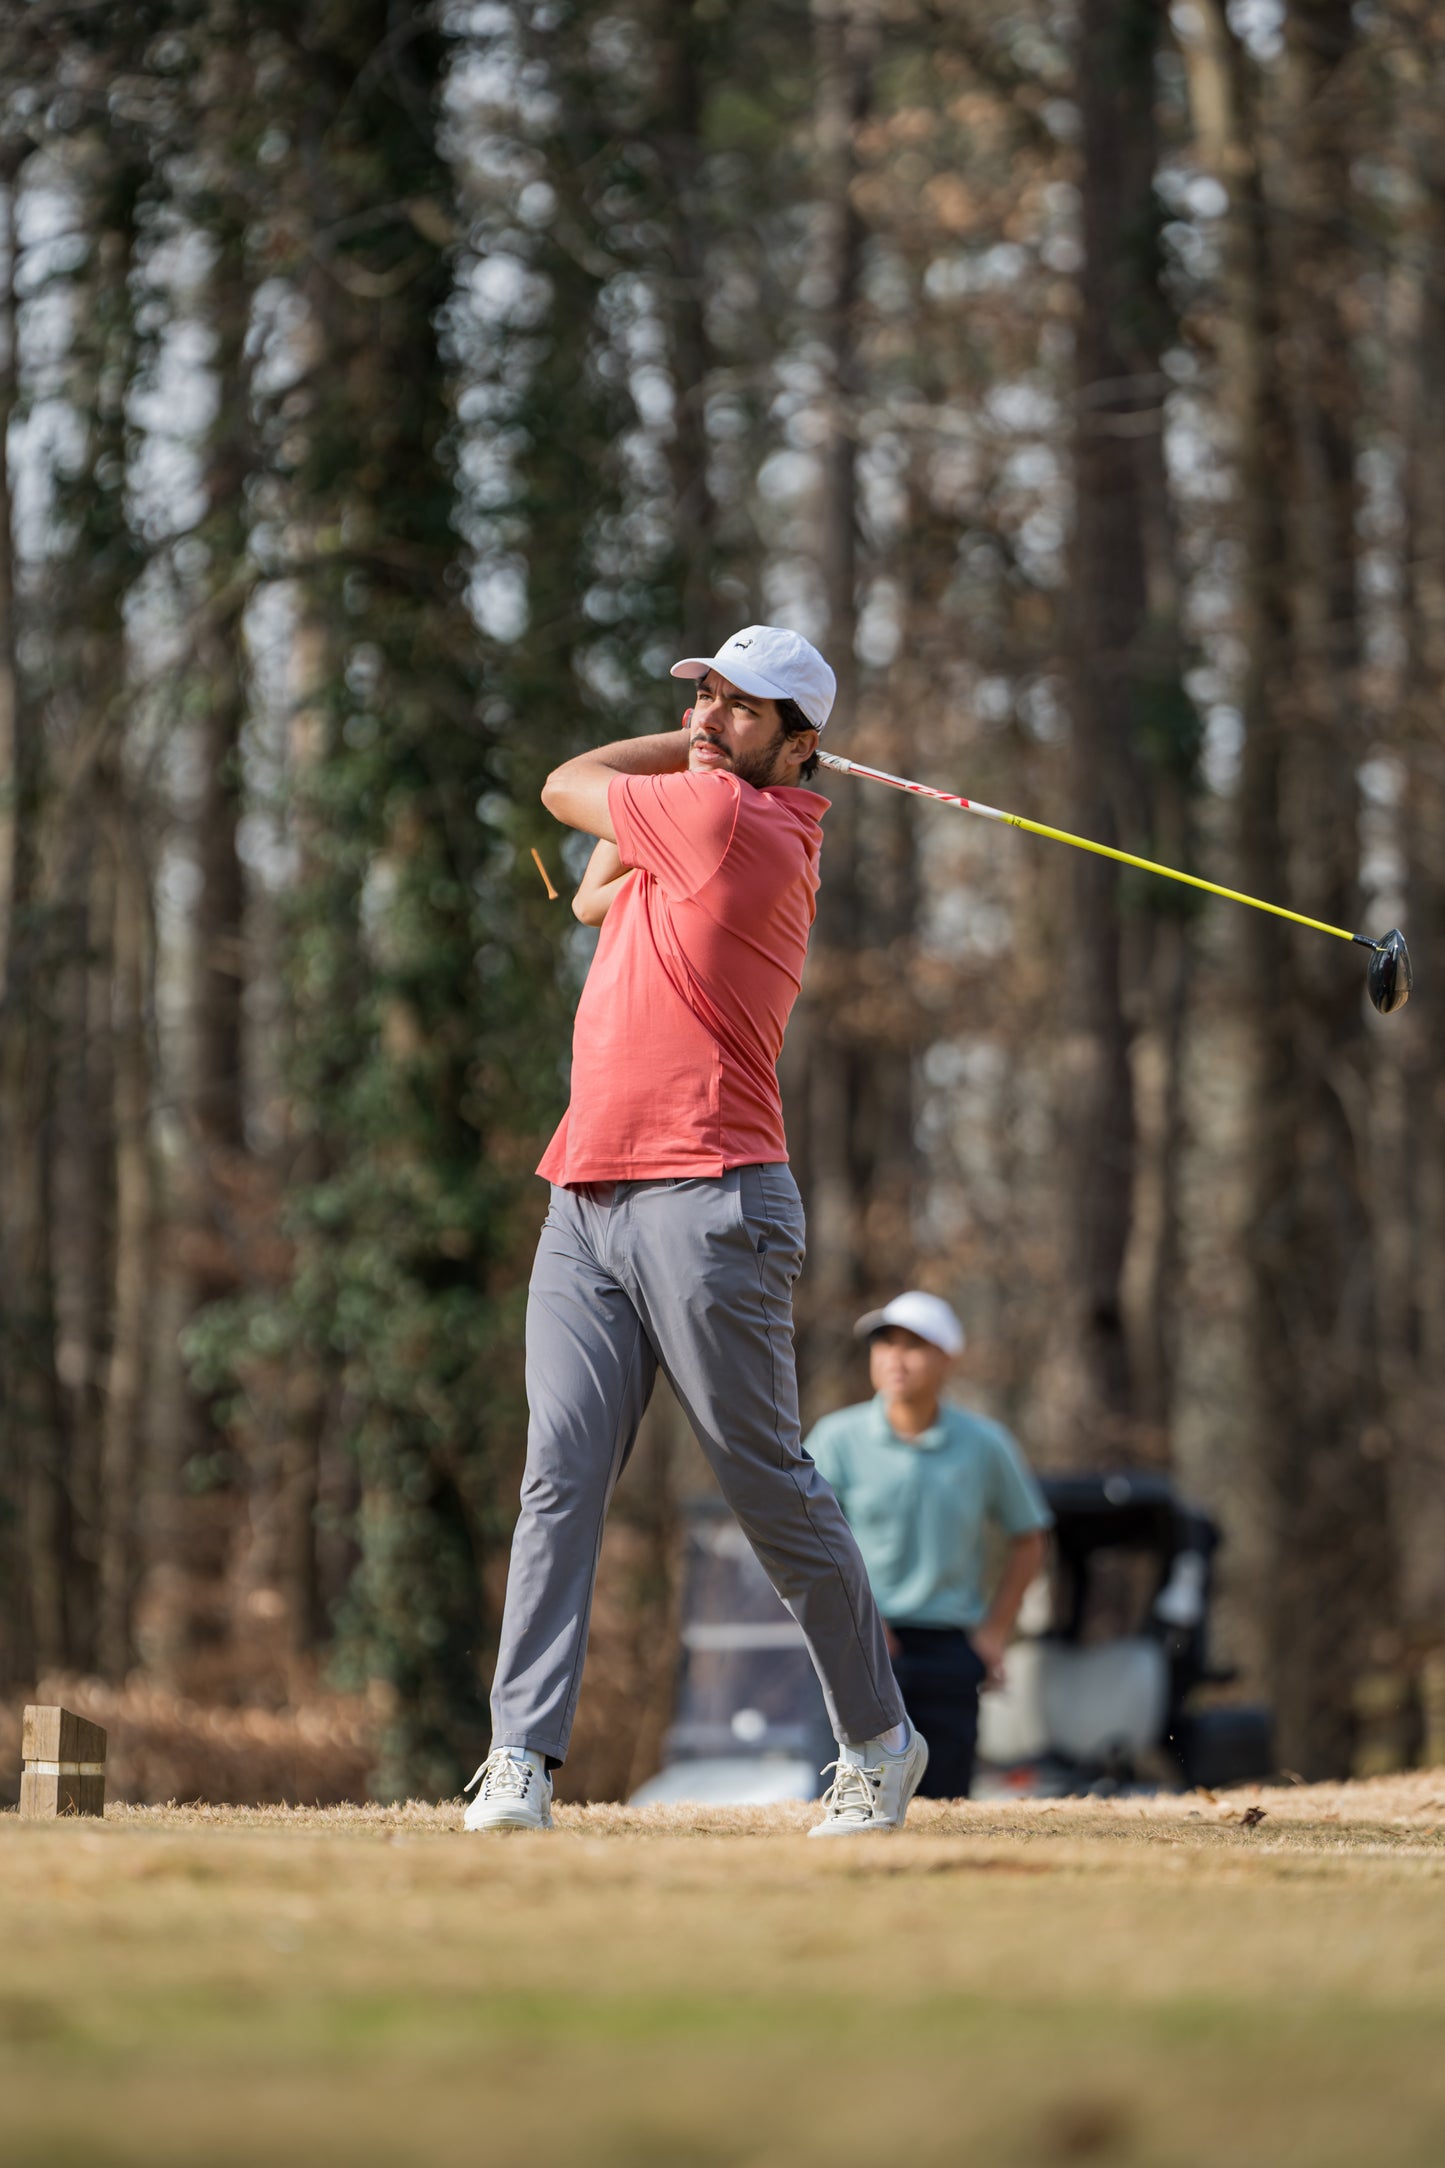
pixel 1082 843
pixel 1169 873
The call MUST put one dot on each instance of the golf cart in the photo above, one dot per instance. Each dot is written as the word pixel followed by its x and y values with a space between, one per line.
pixel 1102 1680
pixel 749 1725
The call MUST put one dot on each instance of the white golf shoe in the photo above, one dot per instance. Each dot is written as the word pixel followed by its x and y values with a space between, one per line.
pixel 871 1788
pixel 515 1791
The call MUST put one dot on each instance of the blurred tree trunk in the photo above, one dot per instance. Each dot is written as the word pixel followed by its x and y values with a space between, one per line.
pixel 33 1627
pixel 61 1126
pixel 82 1168
pixel 1328 1469
pixel 1410 1135
pixel 190 1530
pixel 10 166
pixel 1311 1308
pixel 390 1064
pixel 826 1080
pixel 219 956
pixel 304 1448
pixel 1158 952
pixel 1223 97
pixel 681 52
pixel 88 710
pixel 130 1290
pixel 1130 751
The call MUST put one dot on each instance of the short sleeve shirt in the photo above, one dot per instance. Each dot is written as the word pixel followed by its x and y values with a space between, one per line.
pixel 681 1021
pixel 924 1510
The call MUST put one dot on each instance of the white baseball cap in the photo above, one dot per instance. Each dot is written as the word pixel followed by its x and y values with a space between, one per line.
pixel 773 664
pixel 927 1315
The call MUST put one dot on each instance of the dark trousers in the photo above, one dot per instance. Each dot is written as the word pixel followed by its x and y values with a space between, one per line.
pixel 939 1673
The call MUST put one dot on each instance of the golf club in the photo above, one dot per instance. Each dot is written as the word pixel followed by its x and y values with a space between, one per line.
pixel 1389 976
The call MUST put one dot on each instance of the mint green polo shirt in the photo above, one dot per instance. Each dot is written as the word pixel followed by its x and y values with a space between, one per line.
pixel 924 1509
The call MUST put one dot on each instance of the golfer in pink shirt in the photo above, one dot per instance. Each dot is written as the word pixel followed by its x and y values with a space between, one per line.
pixel 675 1230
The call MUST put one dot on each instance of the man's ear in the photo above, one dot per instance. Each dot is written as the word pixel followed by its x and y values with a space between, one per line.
pixel 799 749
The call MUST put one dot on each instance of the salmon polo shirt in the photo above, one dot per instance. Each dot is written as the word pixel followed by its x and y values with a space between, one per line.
pixel 681 1021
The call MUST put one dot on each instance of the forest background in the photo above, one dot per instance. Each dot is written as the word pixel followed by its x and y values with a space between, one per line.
pixel 388 394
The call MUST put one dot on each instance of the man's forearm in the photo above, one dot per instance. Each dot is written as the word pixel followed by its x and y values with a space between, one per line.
pixel 576 793
pixel 661 752
pixel 598 888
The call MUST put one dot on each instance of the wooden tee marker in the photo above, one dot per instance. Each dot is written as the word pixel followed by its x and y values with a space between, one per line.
pixel 62 1765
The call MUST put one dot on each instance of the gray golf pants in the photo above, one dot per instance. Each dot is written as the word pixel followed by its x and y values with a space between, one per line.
pixel 696 1276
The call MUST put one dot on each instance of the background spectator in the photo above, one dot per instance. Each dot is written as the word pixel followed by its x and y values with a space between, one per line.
pixel 929 1488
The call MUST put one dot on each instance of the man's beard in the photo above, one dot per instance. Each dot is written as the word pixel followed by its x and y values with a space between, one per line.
pixel 758 767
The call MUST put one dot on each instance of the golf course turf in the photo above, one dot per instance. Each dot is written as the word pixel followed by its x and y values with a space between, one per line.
pixel 1141 1981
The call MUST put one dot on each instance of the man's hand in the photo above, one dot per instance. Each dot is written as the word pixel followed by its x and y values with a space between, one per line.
pixel 576 793
pixel 991 1643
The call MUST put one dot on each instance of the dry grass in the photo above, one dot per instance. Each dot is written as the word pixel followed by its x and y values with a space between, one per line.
pixel 1142 1982
pixel 165 1745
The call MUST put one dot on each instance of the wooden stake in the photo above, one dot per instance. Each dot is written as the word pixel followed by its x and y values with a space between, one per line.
pixel 63 1765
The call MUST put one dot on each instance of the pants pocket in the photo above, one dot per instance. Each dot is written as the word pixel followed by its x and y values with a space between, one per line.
pixel 771 1211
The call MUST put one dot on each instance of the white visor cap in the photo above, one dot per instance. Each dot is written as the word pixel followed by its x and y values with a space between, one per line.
pixel 927 1315
pixel 772 664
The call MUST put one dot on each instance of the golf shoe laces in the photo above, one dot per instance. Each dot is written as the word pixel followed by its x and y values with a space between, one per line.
pixel 854 1789
pixel 502 1777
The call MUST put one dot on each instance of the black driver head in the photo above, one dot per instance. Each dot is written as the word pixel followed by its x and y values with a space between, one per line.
pixel 1390 977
